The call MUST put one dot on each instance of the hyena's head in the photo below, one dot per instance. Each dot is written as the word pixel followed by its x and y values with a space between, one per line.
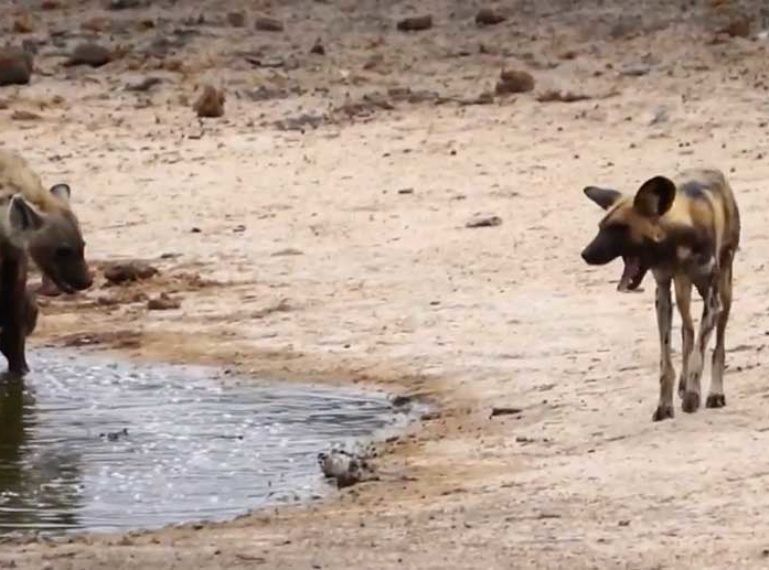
pixel 53 239
pixel 631 228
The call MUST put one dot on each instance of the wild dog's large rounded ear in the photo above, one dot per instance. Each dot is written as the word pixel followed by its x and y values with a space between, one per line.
pixel 604 197
pixel 22 216
pixel 61 191
pixel 655 196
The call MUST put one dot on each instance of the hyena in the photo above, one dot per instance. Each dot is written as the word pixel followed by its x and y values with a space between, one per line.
pixel 35 223
pixel 686 232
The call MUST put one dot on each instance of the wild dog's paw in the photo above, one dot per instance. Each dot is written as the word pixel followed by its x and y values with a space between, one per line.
pixel 691 402
pixel 715 401
pixel 663 413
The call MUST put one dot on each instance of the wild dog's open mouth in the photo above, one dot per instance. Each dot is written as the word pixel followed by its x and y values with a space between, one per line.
pixel 632 274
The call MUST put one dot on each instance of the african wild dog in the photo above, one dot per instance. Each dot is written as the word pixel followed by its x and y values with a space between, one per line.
pixel 38 223
pixel 687 233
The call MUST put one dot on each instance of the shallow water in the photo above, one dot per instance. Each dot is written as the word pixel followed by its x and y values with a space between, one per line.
pixel 93 444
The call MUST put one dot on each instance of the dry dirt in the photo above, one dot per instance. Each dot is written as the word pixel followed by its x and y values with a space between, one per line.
pixel 340 253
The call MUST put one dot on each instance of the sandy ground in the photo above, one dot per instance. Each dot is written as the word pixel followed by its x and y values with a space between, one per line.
pixel 341 254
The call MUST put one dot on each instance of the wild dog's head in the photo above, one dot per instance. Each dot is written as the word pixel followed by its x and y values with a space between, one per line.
pixel 53 239
pixel 631 228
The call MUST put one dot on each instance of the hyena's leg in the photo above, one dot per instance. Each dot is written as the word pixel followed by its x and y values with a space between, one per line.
pixel 684 301
pixel 664 306
pixel 710 311
pixel 716 398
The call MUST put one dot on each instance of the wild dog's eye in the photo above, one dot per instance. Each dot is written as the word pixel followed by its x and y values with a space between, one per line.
pixel 64 251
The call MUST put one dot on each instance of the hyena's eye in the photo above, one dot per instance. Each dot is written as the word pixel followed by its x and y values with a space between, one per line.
pixel 64 251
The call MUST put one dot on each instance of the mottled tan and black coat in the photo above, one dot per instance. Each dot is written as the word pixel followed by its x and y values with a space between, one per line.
pixel 686 231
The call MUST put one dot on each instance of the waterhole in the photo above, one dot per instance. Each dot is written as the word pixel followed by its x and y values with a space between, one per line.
pixel 92 444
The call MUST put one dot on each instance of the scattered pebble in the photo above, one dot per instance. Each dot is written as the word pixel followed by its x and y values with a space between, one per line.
pixel 503 411
pixel 128 271
pixel 267 24
pixel 236 19
pixel 92 54
pixel 210 103
pixel 15 66
pixel 556 95
pixel 635 70
pixel 318 48
pixel 489 17
pixel 144 84
pixel 484 222
pixel 415 23
pixel 22 115
pixel 345 468
pixel 514 81
pixel 163 303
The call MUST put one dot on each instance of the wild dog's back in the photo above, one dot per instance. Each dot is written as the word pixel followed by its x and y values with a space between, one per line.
pixel 710 183
pixel 708 190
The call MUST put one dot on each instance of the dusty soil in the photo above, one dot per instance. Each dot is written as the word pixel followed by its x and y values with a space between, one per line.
pixel 318 231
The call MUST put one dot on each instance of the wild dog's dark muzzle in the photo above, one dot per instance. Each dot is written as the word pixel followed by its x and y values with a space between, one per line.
pixel 603 249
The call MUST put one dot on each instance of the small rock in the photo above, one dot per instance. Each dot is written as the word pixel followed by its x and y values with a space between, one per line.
pixel 267 24
pixel 92 54
pixel 556 95
pixel 503 411
pixel 127 271
pixel 624 523
pixel 345 468
pixel 287 251
pixel 485 98
pixel 635 70
pixel 15 66
pixel 24 24
pixel 484 222
pixel 514 81
pixel 737 28
pixel 163 303
pixel 22 115
pixel 318 48
pixel 50 5
pixel 489 17
pixel 122 4
pixel 210 103
pixel 236 19
pixel 144 84
pixel 97 24
pixel 415 23
pixel 660 116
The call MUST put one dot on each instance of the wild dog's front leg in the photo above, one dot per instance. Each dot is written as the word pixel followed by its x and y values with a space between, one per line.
pixel 664 306
pixel 716 398
pixel 684 301
pixel 710 312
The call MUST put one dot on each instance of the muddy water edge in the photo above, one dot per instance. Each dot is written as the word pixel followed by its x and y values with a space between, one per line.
pixel 97 443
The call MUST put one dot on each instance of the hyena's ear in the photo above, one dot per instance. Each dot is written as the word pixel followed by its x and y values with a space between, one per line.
pixel 655 196
pixel 23 217
pixel 604 197
pixel 61 191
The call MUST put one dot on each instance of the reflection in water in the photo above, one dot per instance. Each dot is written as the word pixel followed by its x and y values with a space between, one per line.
pixel 31 495
pixel 90 444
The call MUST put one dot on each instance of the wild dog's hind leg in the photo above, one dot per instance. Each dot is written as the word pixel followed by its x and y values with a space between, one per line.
pixel 664 306
pixel 684 301
pixel 710 311
pixel 716 398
